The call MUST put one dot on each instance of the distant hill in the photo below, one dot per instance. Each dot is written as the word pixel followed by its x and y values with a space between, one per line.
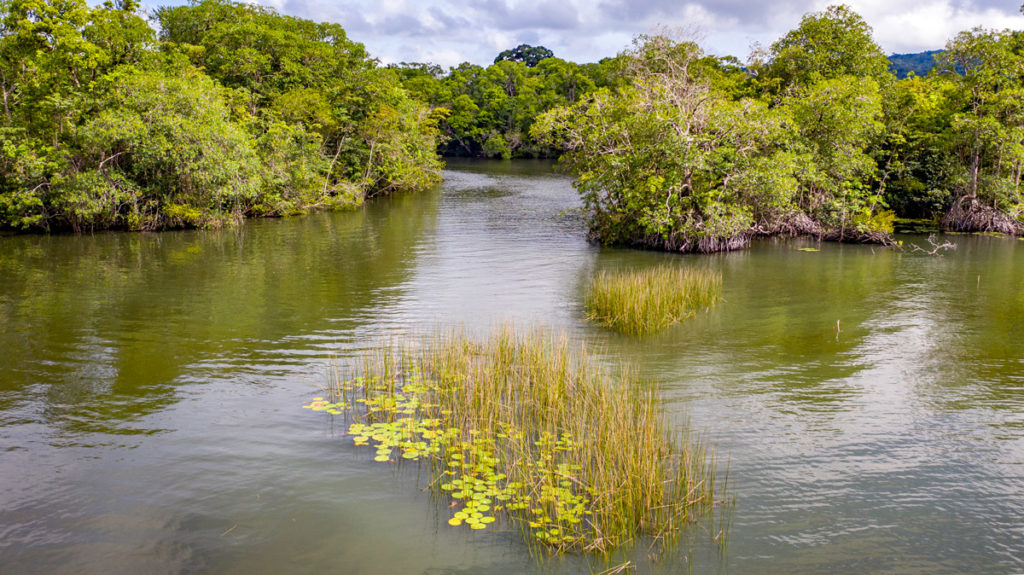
pixel 920 63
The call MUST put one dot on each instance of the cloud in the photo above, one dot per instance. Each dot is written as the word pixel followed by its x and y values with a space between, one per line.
pixel 447 21
pixel 916 25
pixel 529 16
pixel 402 25
pixel 727 15
pixel 448 32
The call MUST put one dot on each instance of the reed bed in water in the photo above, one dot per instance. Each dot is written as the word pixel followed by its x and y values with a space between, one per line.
pixel 638 302
pixel 521 429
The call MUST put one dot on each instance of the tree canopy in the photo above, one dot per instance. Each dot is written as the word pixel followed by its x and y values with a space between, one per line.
pixel 529 55
pixel 826 45
pixel 694 153
pixel 234 110
pixel 489 111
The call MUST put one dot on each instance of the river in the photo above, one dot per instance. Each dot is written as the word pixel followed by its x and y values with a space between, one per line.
pixel 867 403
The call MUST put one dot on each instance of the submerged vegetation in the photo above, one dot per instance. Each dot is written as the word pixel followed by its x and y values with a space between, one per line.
pixel 521 430
pixel 646 301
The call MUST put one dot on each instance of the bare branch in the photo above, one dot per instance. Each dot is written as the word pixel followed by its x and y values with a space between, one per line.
pixel 935 246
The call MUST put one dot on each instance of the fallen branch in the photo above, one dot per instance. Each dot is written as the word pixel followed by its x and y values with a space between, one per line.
pixel 935 246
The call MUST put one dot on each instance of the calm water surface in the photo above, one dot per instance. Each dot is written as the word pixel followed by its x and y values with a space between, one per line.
pixel 869 403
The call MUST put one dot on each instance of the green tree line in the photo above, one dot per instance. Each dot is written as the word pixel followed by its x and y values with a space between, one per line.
pixel 232 110
pixel 677 149
pixel 488 111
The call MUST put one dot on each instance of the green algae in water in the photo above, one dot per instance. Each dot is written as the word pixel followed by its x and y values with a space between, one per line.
pixel 915 226
pixel 519 431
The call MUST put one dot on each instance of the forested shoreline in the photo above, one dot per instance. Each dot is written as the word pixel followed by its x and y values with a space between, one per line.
pixel 233 111
pixel 815 135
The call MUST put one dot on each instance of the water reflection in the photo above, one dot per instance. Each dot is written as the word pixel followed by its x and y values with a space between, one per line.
pixel 97 329
pixel 150 388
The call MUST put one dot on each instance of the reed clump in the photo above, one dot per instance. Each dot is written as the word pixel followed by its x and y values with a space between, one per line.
pixel 639 302
pixel 520 429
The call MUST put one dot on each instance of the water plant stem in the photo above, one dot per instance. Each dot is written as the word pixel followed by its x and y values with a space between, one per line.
pixel 639 302
pixel 522 428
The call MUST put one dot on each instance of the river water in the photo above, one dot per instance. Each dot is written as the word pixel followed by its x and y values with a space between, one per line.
pixel 867 403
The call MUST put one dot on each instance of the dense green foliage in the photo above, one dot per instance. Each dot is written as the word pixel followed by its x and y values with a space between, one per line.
pixel 954 139
pixel 489 111
pixel 816 136
pixel 529 55
pixel 826 45
pixel 233 111
pixel 695 154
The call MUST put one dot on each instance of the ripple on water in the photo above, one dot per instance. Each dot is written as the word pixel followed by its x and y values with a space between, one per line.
pixel 868 404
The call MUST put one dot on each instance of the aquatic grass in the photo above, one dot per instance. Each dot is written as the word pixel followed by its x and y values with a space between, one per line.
pixel 639 302
pixel 522 430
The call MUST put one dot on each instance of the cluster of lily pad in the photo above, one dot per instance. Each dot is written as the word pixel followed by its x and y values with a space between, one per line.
pixel 395 425
pixel 321 404
pixel 475 485
pixel 510 440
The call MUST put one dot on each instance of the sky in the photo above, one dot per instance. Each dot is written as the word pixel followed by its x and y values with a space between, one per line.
pixel 449 32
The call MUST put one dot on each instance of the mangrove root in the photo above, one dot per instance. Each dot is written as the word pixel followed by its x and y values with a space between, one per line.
pixel 970 215
pixel 859 237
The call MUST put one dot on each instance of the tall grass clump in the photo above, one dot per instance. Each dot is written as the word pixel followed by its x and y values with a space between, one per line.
pixel 522 431
pixel 638 302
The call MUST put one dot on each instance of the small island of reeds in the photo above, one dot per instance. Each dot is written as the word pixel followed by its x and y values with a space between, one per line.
pixel 639 302
pixel 522 432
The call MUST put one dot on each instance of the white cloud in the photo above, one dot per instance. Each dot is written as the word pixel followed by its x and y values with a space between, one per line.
pixel 448 32
pixel 908 26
